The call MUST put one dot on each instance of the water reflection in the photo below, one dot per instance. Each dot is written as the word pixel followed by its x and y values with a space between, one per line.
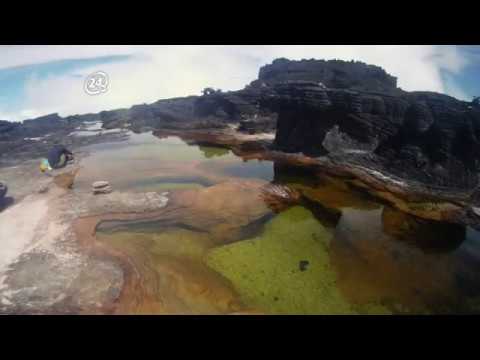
pixel 429 235
pixel 147 163
pixel 371 265
pixel 331 192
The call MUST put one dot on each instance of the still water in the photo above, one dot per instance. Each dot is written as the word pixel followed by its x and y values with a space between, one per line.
pixel 338 251
pixel 146 163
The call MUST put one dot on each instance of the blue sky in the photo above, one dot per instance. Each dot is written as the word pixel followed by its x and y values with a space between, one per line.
pixel 38 80
pixel 13 80
pixel 467 80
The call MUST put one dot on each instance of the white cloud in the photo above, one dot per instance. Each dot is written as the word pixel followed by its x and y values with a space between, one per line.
pixel 157 72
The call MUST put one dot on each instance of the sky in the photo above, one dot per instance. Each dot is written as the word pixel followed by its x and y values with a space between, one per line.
pixel 42 79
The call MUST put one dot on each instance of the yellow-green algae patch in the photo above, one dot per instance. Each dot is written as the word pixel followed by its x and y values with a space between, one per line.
pixel 267 270
pixel 211 151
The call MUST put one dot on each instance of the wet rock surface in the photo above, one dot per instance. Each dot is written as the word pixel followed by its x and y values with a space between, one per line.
pixel 43 269
pixel 44 283
pixel 168 257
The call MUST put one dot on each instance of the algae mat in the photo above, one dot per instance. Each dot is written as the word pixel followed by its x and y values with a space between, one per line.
pixel 286 269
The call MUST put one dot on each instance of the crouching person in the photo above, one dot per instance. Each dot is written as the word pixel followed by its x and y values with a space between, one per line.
pixel 58 157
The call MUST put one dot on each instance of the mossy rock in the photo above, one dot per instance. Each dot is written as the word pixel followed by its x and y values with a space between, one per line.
pixel 286 269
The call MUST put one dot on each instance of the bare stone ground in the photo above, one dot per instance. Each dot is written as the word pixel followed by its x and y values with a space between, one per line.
pixel 42 269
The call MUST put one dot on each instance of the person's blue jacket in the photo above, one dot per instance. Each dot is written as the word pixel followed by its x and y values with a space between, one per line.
pixel 55 154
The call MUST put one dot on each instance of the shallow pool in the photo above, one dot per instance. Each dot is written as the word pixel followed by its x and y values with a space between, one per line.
pixel 337 251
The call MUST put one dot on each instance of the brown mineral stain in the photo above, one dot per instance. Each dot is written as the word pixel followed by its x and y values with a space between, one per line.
pixel 66 180
pixel 372 265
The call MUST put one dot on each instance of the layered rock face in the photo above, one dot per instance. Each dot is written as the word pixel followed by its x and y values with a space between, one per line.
pixel 251 105
pixel 423 136
pixel 332 74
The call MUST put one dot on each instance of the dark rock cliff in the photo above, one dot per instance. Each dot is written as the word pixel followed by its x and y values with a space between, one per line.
pixel 333 74
pixel 32 128
pixel 423 136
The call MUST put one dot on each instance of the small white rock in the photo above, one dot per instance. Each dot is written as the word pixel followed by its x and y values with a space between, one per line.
pixel 100 184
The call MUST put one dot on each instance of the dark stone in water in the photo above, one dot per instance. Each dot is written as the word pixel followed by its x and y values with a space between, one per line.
pixel 303 264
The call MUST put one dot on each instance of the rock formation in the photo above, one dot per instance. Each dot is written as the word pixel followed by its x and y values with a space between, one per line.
pixel 340 74
pixel 424 136
pixel 429 137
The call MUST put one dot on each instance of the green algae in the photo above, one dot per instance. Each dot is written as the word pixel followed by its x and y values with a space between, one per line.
pixel 266 270
pixel 211 151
